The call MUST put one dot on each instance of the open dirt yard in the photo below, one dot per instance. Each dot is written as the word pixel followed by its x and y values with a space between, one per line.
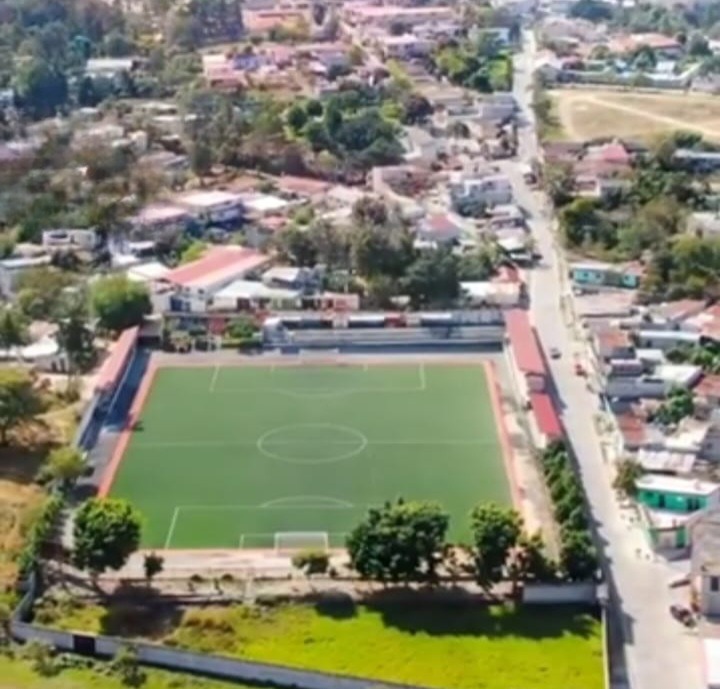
pixel 591 113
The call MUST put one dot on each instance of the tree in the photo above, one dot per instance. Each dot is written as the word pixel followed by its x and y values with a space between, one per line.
pixel 399 542
pixel 592 10
pixel 678 405
pixel 296 246
pixel 698 46
pixel 40 88
pixel 40 292
pixel 65 465
pixel 152 566
pixel 532 562
pixel 297 117
pixel 559 183
pixel 314 108
pixel 120 303
pixel 625 481
pixel 583 223
pixel 74 336
pixel 495 532
pixel 13 329
pixel 242 328
pixel 578 559
pixel 311 562
pixel 432 278
pixel 126 666
pixel 193 252
pixel 106 532
pixel 19 400
pixel 381 250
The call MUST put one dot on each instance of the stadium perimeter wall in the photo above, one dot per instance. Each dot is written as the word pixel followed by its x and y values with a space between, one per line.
pixel 264 674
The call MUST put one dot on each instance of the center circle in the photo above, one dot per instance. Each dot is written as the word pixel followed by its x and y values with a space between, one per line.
pixel 312 443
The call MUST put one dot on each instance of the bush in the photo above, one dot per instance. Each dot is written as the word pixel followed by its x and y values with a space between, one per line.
pixel 39 534
pixel 311 562
pixel 41 658
pixel 126 666
pixel 578 556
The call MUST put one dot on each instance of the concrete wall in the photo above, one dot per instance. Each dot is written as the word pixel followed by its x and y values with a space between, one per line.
pixel 189 661
pixel 552 594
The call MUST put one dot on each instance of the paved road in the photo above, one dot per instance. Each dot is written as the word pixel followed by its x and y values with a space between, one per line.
pixel 660 653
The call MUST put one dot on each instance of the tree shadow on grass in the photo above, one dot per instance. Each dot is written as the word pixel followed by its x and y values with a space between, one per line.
pixel 335 604
pixel 420 612
pixel 132 620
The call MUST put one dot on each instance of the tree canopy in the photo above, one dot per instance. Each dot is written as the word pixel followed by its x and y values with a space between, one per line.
pixel 106 532
pixel 399 542
pixel 119 303
pixel 20 401
pixel 495 532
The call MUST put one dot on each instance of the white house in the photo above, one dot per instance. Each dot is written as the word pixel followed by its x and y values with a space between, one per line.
pixel 192 287
pixel 12 268
pixel 213 206
pixel 490 189
pixel 83 240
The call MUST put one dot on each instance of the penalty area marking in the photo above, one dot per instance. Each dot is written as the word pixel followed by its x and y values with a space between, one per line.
pixel 216 373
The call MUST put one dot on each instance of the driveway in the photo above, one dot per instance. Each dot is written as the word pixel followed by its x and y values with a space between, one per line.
pixel 660 653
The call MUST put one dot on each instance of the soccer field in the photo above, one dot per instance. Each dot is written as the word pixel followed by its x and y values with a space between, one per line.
pixel 292 456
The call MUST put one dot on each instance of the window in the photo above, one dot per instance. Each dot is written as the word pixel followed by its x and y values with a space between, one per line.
pixel 714 584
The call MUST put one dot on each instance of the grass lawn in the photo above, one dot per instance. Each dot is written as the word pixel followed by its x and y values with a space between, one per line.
pixel 229 457
pixel 18 674
pixel 464 647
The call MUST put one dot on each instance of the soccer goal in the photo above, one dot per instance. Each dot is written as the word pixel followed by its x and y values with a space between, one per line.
pixel 288 542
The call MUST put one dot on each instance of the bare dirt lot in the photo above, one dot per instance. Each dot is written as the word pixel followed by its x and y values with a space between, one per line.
pixel 592 113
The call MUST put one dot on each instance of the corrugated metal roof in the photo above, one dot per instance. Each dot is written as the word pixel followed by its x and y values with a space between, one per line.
pixel 546 415
pixel 524 343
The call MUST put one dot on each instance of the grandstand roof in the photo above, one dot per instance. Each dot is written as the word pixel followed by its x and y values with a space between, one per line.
pixel 221 264
pixel 546 415
pixel 524 343
pixel 113 367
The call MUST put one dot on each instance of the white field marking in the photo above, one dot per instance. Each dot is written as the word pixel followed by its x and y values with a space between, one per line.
pixel 216 373
pixel 301 441
pixel 242 541
pixel 304 502
pixel 423 382
pixel 173 524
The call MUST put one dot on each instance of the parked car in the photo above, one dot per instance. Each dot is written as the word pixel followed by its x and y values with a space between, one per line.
pixel 555 353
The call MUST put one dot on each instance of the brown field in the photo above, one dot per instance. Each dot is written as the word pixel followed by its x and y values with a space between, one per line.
pixel 592 113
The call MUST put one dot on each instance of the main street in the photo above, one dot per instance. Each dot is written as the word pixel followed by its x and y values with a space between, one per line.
pixel 660 653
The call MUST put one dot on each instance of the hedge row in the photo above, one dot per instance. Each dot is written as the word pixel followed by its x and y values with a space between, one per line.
pixel 40 533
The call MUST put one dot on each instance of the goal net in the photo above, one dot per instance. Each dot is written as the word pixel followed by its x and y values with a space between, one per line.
pixel 289 542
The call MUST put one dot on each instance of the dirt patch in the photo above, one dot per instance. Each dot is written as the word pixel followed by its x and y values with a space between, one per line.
pixel 593 113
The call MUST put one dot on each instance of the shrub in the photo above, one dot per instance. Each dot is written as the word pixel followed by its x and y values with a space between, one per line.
pixel 41 657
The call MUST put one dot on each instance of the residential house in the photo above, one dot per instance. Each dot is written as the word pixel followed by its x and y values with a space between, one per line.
pixel 704 224
pixel 81 240
pixel 191 287
pixel 12 268
pixel 596 275
pixel 329 55
pixel 664 46
pixel 496 107
pixel 212 207
pixel 629 380
pixel 156 218
pixel 407 46
pixel 490 189
pixel 384 16
pixel 698 161
pixel 422 148
pixel 668 504
pixel 111 67
pixel 262 22
pixel 613 343
pixel 707 391
pixel 704 539
pixel 438 229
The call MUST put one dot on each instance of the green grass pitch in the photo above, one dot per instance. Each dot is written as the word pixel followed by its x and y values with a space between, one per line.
pixel 293 456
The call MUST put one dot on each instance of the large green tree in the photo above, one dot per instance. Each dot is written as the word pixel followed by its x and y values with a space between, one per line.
pixel 106 532
pixel 119 303
pixel 495 532
pixel 399 542
pixel 432 279
pixel 75 336
pixel 13 329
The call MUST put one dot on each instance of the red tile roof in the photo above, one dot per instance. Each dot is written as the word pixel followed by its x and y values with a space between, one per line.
pixel 524 343
pixel 709 386
pixel 546 415
pixel 113 367
pixel 301 185
pixel 632 429
pixel 218 264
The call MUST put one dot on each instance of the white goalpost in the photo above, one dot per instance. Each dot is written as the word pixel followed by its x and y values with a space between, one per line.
pixel 289 542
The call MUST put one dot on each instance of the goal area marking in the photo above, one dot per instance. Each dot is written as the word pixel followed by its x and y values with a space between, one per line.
pixel 320 363
pixel 293 541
